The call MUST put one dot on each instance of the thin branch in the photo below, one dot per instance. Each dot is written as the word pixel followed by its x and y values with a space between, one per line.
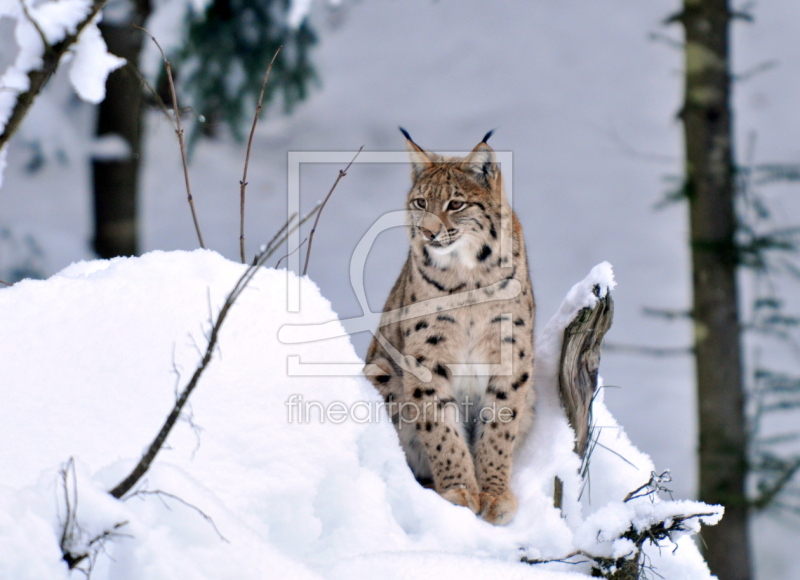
pixel 342 173
pixel 652 487
pixel 155 446
pixel 275 237
pixel 162 494
pixel 277 265
pixel 179 132
pixel 162 106
pixel 649 350
pixel 67 529
pixel 38 28
pixel 617 453
pixel 4 283
pixel 243 182
pixel 770 492
pixel 561 560
pixel 94 547
pixel 72 536
pixel 667 313
pixel 665 39
pixel 754 71
pixel 38 78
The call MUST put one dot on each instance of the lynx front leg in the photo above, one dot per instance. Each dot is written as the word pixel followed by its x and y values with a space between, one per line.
pixel 496 432
pixel 431 410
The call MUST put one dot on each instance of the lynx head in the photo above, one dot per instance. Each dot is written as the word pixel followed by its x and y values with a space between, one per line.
pixel 454 204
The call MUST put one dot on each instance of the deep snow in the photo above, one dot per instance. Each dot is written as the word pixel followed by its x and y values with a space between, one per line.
pixel 91 361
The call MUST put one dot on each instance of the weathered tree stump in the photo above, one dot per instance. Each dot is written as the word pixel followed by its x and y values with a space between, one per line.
pixel 580 359
pixel 577 379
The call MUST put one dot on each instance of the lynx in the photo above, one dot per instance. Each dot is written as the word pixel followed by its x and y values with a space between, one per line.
pixel 453 356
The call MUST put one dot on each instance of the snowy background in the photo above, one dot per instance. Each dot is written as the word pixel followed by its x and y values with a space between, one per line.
pixel 579 95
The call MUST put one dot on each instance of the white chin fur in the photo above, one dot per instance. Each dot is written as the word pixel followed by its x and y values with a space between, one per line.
pixel 460 253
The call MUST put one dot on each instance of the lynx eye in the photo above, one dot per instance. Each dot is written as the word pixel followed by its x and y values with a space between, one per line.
pixel 455 205
pixel 419 203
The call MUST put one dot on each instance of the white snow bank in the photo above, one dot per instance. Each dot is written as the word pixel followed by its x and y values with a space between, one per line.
pixel 91 361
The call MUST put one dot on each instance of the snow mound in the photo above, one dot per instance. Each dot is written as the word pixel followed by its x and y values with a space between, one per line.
pixel 247 487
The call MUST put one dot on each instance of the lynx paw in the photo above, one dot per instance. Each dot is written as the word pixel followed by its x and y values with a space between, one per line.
pixel 463 497
pixel 500 509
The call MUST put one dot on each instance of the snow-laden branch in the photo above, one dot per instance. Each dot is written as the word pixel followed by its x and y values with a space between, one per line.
pixel 44 34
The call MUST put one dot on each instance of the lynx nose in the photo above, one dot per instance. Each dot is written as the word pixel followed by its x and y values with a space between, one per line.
pixel 429 235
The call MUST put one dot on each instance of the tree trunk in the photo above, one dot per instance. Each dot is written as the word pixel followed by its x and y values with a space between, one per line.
pixel 709 186
pixel 116 181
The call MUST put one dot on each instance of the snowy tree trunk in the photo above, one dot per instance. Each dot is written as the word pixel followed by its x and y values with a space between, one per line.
pixel 580 360
pixel 709 187
pixel 116 181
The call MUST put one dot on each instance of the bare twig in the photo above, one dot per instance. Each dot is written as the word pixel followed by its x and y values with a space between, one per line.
pixel 630 565
pixel 179 133
pixel 667 314
pixel 71 533
pixel 38 28
pixel 769 491
pixel 653 486
pixel 38 77
pixel 162 106
pixel 561 560
pixel 277 265
pixel 4 283
pixel 243 182
pixel 277 234
pixel 162 494
pixel 342 173
pixel 71 505
pixel 754 71
pixel 665 351
pixel 617 453
pixel 155 446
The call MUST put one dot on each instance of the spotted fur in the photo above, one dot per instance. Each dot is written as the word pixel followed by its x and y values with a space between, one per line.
pixel 463 299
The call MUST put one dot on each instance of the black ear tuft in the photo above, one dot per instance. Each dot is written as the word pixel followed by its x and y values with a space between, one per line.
pixel 405 134
pixel 485 138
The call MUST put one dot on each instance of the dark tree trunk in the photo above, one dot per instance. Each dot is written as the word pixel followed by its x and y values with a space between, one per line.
pixel 710 190
pixel 116 181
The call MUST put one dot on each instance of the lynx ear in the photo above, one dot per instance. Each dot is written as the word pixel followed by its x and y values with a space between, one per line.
pixel 420 159
pixel 481 163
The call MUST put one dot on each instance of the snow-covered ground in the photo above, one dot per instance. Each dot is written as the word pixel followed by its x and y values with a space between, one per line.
pixel 291 491
pixel 578 94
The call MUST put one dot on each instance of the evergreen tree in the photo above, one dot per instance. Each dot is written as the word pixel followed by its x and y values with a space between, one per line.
pixel 710 189
pixel 227 51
